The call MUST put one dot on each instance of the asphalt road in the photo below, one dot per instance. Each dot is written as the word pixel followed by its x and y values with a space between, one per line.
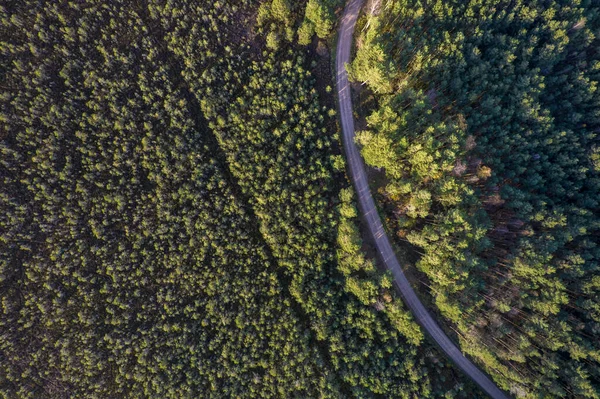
pixel 369 211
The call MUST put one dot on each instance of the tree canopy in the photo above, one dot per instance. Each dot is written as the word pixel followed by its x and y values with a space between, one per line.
pixel 485 123
pixel 176 221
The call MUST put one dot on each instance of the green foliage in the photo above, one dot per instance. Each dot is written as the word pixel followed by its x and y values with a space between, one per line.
pixel 171 214
pixel 320 14
pixel 272 41
pixel 319 19
pixel 281 16
pixel 306 32
pixel 372 65
pixel 489 140
pixel 130 265
pixel 280 10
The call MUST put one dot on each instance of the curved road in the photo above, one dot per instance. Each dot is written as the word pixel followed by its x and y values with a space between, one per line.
pixel 367 206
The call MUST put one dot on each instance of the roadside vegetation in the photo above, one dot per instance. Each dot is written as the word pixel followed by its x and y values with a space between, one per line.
pixel 485 125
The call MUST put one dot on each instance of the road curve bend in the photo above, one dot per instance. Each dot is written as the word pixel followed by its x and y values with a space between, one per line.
pixel 369 211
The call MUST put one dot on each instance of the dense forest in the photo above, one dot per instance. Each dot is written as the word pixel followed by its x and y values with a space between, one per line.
pixel 482 123
pixel 175 217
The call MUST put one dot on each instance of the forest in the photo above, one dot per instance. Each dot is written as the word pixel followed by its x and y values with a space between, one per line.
pixel 176 220
pixel 481 127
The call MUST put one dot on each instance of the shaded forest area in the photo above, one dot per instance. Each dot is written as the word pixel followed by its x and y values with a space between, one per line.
pixel 486 126
pixel 175 217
